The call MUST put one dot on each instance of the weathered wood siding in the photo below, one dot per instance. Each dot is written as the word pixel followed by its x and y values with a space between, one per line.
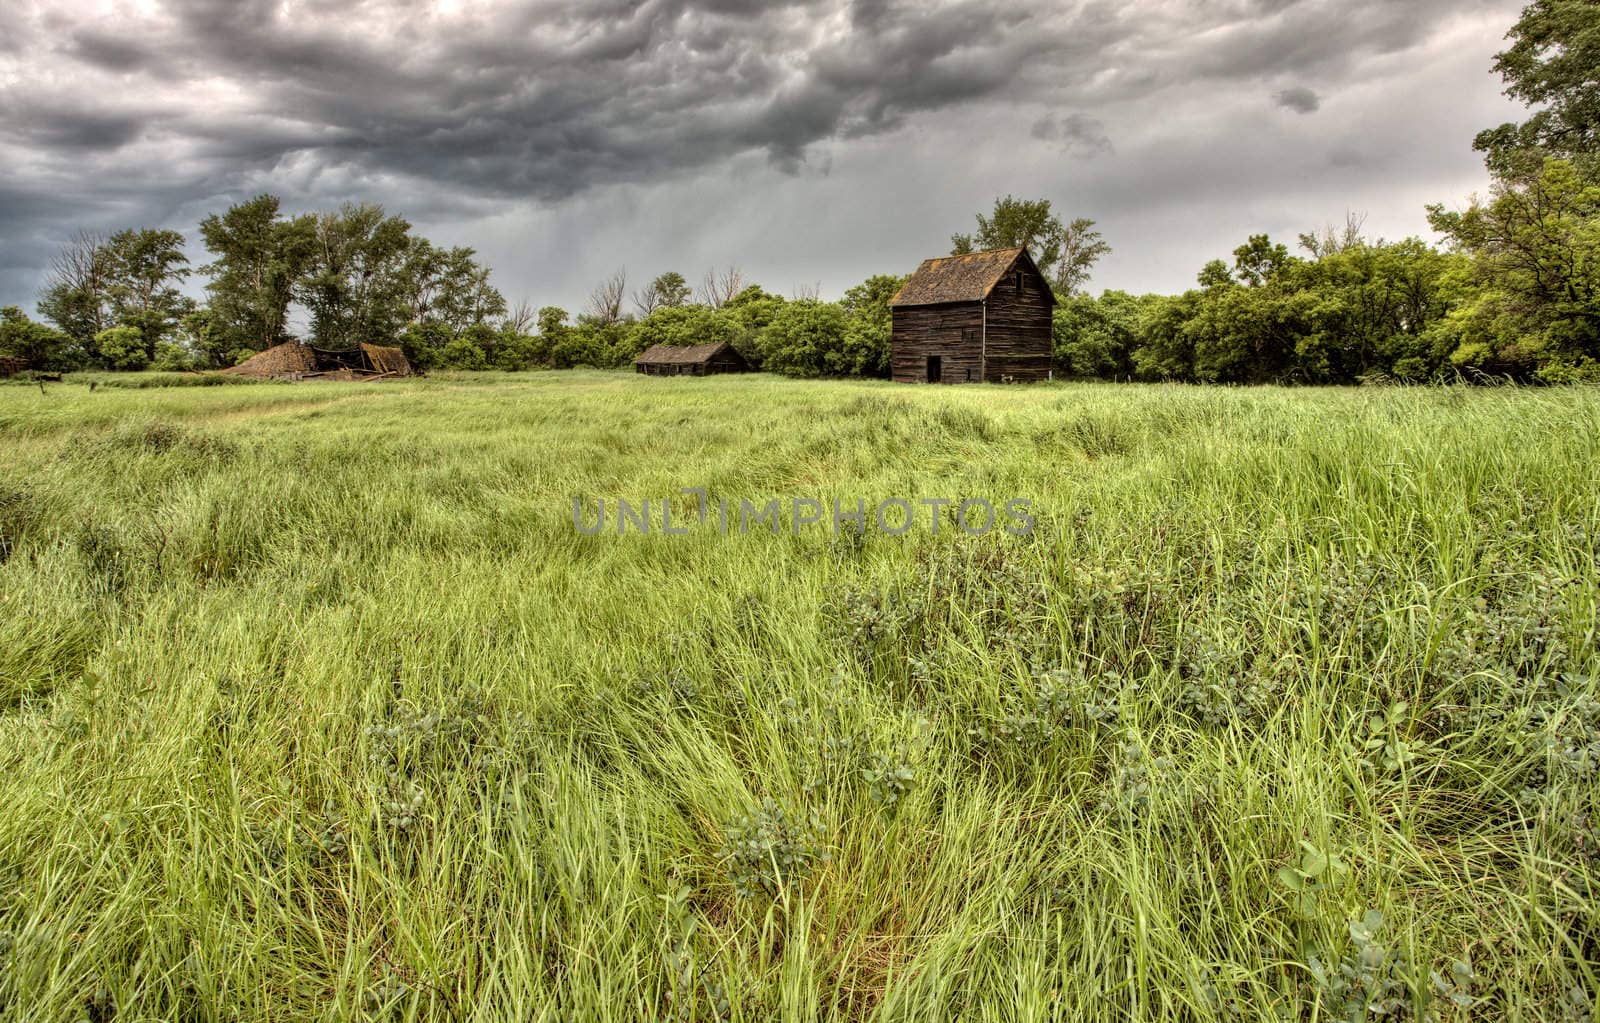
pixel 954 332
pixel 1017 342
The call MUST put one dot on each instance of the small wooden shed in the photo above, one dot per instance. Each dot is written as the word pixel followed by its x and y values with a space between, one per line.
pixel 980 317
pixel 690 360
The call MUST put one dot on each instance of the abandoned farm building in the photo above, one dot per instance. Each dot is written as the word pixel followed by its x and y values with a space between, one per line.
pixel 980 317
pixel 690 360
pixel 295 361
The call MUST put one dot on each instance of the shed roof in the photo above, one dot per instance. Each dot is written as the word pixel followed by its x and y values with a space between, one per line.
pixel 966 278
pixel 681 354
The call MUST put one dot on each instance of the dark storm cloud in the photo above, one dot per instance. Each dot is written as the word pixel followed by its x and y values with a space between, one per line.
pixel 543 102
pixel 111 52
pixel 1078 134
pixel 1299 99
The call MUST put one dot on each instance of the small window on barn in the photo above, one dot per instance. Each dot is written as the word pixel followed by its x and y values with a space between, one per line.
pixel 1016 280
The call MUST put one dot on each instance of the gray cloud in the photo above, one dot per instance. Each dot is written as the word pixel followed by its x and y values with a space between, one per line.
pixel 541 109
pixel 1078 134
pixel 1299 99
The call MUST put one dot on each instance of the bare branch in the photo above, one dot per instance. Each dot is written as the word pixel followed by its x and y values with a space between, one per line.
pixel 605 301
pixel 718 289
pixel 646 300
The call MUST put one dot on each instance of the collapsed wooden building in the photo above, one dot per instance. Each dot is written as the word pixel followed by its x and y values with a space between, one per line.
pixel 690 360
pixel 293 360
pixel 980 317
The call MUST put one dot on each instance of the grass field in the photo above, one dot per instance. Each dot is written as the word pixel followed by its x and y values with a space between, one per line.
pixel 315 704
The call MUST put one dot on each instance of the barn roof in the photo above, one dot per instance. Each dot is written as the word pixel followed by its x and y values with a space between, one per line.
pixel 293 360
pixel 680 354
pixel 967 278
pixel 387 359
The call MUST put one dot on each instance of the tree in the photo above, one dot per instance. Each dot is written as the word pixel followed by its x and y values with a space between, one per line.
pixel 423 275
pixel 682 325
pixel 355 284
pixel 466 349
pixel 129 279
pixel 514 349
pixel 1332 240
pixel 805 339
pixel 260 258
pixel 870 299
pixel 39 346
pixel 1554 60
pixel 1165 349
pixel 466 298
pixel 605 301
pixel 718 289
pixel 668 291
pixel 1259 260
pixel 146 268
pixel 1535 247
pixel 1013 222
pixel 76 294
pixel 1096 337
pixel 122 348
pixel 520 319
pixel 1081 249
pixel 869 325
pixel 1065 254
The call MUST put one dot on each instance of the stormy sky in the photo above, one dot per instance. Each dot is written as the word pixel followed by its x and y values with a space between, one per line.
pixel 812 142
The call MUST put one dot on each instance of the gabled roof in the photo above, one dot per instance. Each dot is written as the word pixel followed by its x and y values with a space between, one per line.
pixel 681 354
pixel 967 278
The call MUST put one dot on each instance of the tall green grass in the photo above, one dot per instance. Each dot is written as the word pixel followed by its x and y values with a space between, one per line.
pixel 314 704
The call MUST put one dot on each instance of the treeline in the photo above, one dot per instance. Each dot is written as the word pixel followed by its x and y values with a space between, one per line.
pixel 1512 293
pixel 796 336
pixel 358 275
pixel 362 275
pixel 1350 311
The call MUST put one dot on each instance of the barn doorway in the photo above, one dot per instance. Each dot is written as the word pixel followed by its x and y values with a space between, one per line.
pixel 935 369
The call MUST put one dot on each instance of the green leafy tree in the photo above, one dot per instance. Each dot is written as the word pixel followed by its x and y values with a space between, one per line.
pixel 147 266
pixel 1096 337
pixel 1012 222
pixel 1535 246
pixel 172 357
pixel 1553 62
pixel 514 350
pixel 682 325
pixel 122 348
pixel 259 259
pixel 1165 348
pixel 668 291
pixel 130 279
pixel 1065 253
pixel 77 291
pixel 1081 248
pixel 39 346
pixel 465 351
pixel 465 298
pixel 753 308
pixel 805 338
pixel 869 326
pixel 1378 305
pixel 424 343
pixel 355 285
pixel 1259 261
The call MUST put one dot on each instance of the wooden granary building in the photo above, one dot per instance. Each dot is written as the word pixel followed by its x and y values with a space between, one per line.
pixel 690 360
pixel 980 317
